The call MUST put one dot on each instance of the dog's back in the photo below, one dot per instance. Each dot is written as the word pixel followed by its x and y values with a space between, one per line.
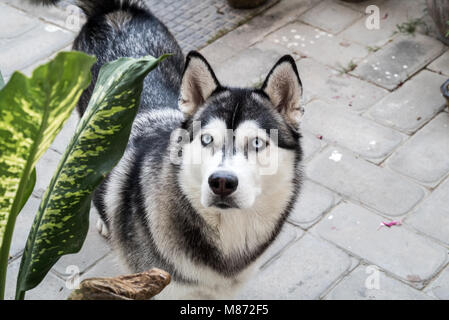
pixel 116 29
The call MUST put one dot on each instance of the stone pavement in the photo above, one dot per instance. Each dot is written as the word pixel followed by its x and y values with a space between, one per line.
pixel 376 138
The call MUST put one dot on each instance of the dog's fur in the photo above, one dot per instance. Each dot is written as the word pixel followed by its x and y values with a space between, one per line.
pixel 162 213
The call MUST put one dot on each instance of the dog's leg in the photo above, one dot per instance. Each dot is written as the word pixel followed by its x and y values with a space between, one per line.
pixel 102 228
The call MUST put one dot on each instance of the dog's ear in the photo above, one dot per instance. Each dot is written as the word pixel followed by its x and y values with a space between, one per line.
pixel 197 84
pixel 284 88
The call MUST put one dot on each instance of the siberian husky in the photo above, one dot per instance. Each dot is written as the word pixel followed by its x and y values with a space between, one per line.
pixel 210 173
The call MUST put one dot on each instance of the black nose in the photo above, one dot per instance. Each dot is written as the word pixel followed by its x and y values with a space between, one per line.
pixel 223 183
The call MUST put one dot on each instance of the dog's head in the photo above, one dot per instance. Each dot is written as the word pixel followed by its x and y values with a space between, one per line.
pixel 238 144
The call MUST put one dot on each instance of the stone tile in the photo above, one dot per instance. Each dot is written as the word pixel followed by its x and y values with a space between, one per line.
pixel 28 71
pixel 432 216
pixel 319 45
pixel 64 15
pixel 441 65
pixel 365 137
pixel 45 169
pixel 23 225
pixel 32 46
pixel 256 29
pixel 314 201
pixel 65 135
pixel 248 68
pixel 287 236
pixel 424 156
pixel 342 90
pixel 94 248
pixel 330 16
pixel 399 60
pixel 311 144
pixel 14 23
pixel 409 256
pixel 392 13
pixel 51 288
pixel 364 182
pixel 109 266
pixel 304 271
pixel 357 286
pixel 413 104
pixel 440 287
pixel 359 6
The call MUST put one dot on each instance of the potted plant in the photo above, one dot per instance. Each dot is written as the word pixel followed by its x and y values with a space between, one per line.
pixel 245 4
pixel 439 11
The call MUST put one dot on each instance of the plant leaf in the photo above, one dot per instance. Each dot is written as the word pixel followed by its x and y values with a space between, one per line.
pixel 61 224
pixel 32 112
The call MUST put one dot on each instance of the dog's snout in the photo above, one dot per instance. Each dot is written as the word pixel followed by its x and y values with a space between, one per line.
pixel 223 183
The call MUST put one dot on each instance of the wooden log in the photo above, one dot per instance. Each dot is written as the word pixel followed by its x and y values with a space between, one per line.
pixel 139 286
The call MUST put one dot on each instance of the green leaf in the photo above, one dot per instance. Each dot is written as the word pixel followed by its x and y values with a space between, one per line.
pixel 32 112
pixel 61 224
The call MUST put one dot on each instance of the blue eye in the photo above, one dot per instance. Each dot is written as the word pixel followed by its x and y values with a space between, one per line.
pixel 258 144
pixel 206 139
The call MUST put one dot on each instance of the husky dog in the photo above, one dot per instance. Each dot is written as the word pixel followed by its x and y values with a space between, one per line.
pixel 205 222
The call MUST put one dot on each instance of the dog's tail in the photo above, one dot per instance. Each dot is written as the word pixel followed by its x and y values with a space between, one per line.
pixel 99 7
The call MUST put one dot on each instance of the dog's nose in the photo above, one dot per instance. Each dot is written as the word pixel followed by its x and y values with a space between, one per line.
pixel 223 183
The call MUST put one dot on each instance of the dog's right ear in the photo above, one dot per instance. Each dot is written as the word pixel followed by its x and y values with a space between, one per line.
pixel 197 84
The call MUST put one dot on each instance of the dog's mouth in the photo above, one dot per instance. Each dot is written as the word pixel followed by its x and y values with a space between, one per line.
pixel 224 204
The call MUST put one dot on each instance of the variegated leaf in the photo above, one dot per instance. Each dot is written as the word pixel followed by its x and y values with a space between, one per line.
pixel 32 112
pixel 61 224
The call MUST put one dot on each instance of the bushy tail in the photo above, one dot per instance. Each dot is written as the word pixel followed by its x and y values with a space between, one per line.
pixel 98 7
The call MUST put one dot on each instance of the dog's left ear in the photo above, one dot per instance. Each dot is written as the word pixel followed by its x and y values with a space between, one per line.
pixel 284 88
pixel 197 84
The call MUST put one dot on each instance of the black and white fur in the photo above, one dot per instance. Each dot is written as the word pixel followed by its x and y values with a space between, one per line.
pixel 162 213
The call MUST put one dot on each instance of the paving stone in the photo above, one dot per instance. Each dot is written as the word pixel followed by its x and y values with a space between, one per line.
pixel 256 29
pixel 28 71
pixel 392 13
pixel 94 248
pixel 342 90
pixel 440 287
pixel 424 157
pixel 314 201
pixel 45 169
pixel 32 46
pixel 51 288
pixel 311 144
pixel 330 16
pixel 360 6
pixel 413 104
pixel 355 287
pixel 13 22
pixel 399 60
pixel 411 257
pixel 23 225
pixel 364 182
pixel 65 15
pixel 432 216
pixel 287 236
pixel 248 68
pixel 109 266
pixel 65 135
pixel 304 271
pixel 319 45
pixel 441 64
pixel 365 137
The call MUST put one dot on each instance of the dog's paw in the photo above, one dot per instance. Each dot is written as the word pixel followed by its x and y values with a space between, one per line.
pixel 102 228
